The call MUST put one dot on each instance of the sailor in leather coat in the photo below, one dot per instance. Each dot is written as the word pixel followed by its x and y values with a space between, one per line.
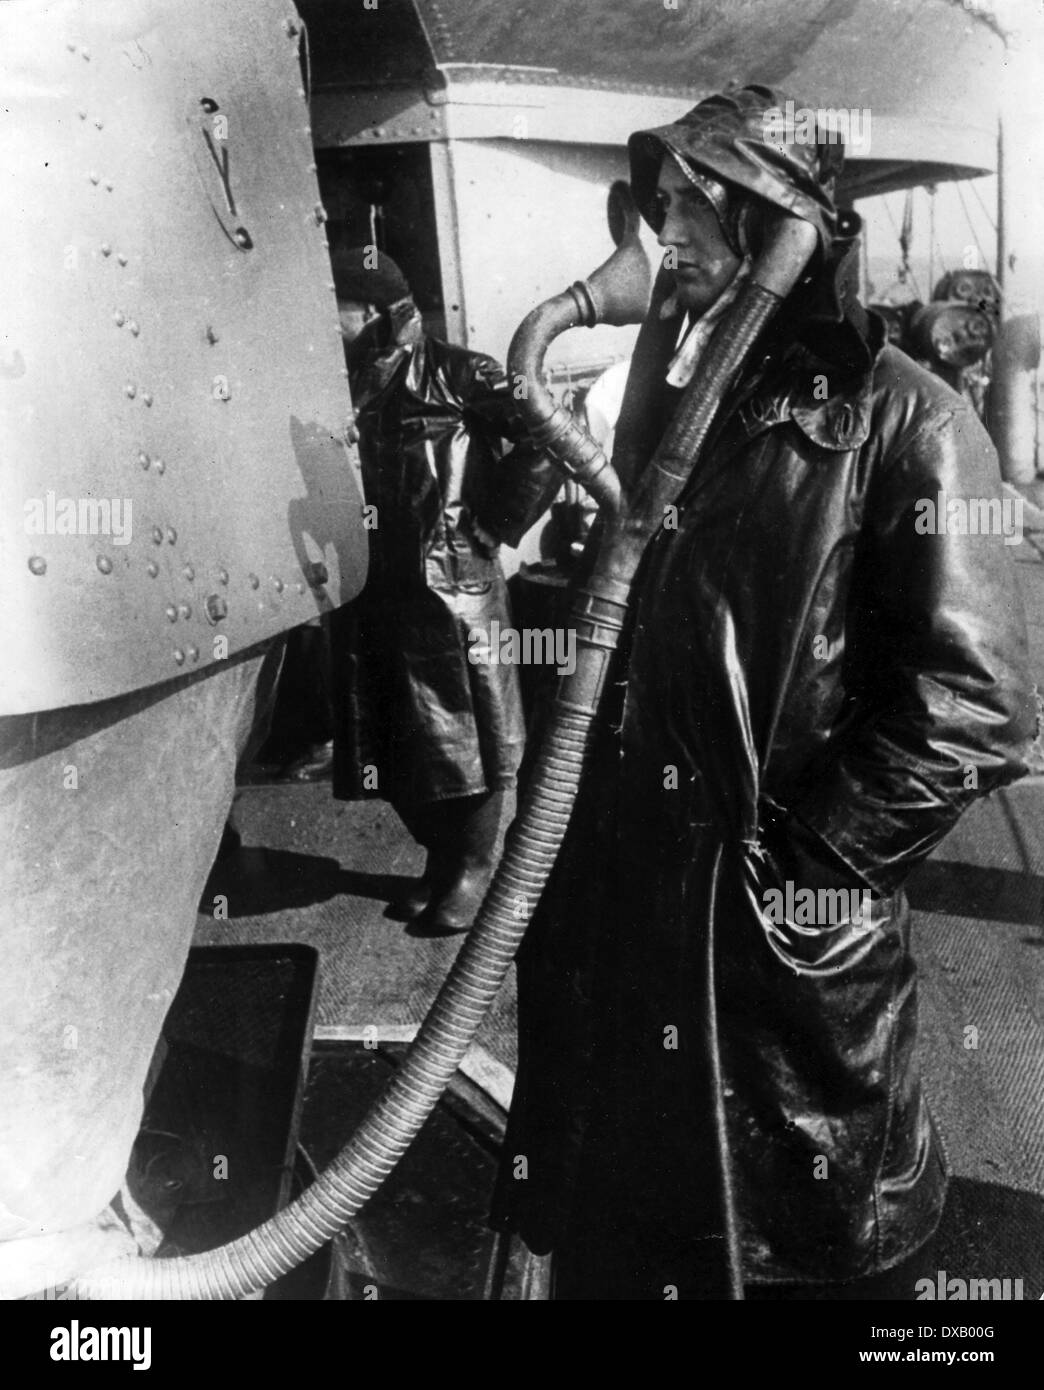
pixel 422 719
pixel 814 689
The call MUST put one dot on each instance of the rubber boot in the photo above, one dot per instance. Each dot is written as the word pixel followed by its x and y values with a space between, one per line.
pixel 427 824
pixel 476 822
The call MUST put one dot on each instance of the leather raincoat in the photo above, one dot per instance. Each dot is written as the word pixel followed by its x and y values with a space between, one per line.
pixel 416 720
pixel 812 693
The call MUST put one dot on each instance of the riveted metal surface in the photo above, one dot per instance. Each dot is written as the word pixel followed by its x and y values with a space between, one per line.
pixel 172 403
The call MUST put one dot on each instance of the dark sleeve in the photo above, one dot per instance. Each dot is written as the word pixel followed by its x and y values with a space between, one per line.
pixel 955 712
pixel 526 481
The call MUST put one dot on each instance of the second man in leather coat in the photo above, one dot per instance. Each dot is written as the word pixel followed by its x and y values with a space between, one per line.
pixel 423 718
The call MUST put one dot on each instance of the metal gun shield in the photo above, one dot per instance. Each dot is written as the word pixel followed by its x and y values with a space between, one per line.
pixel 176 483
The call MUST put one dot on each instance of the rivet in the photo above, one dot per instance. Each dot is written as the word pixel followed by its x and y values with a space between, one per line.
pixel 159 465
pixel 82 115
pixel 215 608
pixel 108 186
pixel 185 609
pixel 71 47
pixel 290 28
pixel 152 569
pixel 171 612
pixel 277 584
pixel 93 177
pixel 208 104
pixel 301 92
pixel 243 238
pixel 99 125
pixel 254 581
pixel 118 319
pixel 144 460
pixel 104 564
pixel 37 564
pixel 134 328
pixel 222 576
pixel 313 168
pixel 299 587
pixel 157 535
pixel 85 54
pixel 179 656
pixel 172 535
pixel 189 572
pixel 193 653
pixel 147 397
pixel 121 259
pixel 308 131
pixel 316 573
pixel 130 390
pixel 319 213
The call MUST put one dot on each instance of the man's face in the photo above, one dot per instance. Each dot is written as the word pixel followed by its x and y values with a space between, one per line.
pixel 354 318
pixel 706 264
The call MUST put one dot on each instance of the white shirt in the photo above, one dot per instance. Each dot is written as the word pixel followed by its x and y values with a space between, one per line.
pixel 695 333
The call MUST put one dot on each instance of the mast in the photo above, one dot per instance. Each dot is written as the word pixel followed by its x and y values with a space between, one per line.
pixel 1016 356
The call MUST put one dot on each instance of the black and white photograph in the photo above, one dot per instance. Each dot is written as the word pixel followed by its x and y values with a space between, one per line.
pixel 521 665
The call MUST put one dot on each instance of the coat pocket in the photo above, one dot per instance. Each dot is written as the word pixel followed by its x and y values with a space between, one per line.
pixel 816 914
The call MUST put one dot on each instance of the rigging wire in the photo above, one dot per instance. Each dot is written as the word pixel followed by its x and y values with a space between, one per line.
pixel 983 263
pixel 905 271
pixel 985 210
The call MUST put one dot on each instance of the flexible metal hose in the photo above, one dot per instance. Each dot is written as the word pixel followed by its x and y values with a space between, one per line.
pixel 551 425
pixel 265 1254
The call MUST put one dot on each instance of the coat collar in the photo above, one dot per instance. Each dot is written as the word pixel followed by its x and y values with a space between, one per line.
pixel 817 368
pixel 821 383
